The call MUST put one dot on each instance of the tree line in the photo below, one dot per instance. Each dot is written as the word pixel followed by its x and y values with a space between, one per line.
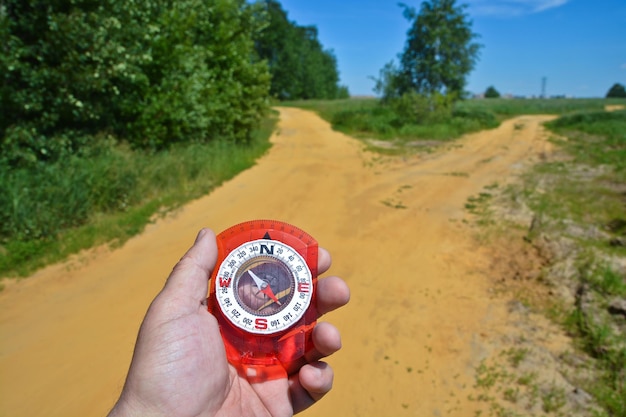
pixel 300 67
pixel 148 72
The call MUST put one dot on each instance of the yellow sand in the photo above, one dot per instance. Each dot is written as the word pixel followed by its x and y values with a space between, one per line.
pixel 413 332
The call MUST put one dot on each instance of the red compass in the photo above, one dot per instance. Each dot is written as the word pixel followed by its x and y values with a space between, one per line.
pixel 263 294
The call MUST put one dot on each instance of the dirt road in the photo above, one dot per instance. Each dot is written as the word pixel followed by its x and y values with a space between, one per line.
pixel 421 317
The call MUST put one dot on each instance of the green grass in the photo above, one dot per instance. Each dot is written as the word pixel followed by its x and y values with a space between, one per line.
pixel 48 212
pixel 578 194
pixel 581 192
pixel 587 188
pixel 506 108
pixel 405 123
pixel 596 138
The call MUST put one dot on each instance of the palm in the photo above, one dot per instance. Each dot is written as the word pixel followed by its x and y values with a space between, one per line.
pixel 179 366
pixel 195 346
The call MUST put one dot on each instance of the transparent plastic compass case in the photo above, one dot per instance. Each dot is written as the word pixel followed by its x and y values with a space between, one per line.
pixel 263 294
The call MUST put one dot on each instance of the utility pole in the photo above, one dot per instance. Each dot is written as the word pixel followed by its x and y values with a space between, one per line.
pixel 543 87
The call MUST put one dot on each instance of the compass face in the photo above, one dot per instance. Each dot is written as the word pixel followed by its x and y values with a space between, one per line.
pixel 263 286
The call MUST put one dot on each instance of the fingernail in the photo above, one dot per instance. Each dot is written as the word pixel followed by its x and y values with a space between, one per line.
pixel 201 234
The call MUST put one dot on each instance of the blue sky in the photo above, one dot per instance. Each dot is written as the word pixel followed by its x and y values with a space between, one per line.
pixel 579 46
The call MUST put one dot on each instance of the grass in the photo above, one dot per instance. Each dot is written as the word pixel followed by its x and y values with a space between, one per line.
pixel 404 125
pixel 587 187
pixel 578 196
pixel 596 140
pixel 402 122
pixel 50 212
pixel 506 108
pixel 581 196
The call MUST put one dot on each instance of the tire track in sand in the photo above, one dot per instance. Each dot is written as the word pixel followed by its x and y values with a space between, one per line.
pixel 420 315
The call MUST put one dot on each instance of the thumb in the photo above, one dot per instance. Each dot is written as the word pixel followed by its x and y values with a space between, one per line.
pixel 190 276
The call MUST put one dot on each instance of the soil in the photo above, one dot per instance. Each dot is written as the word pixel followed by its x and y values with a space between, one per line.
pixel 425 312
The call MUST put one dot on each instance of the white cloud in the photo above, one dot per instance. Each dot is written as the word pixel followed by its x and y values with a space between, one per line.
pixel 511 8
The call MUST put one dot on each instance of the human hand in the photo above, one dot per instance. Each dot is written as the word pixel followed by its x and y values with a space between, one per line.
pixel 179 366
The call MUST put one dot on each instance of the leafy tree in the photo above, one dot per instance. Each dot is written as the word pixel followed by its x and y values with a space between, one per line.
pixel 389 83
pixel 440 50
pixel 150 72
pixel 616 91
pixel 491 92
pixel 300 67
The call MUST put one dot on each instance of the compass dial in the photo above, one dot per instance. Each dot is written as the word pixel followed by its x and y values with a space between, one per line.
pixel 263 286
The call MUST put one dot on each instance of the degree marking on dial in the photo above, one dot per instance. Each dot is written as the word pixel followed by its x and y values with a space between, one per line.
pixel 290 308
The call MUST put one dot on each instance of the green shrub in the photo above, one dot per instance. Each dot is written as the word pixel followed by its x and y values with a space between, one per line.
pixel 107 193
pixel 153 74
pixel 38 201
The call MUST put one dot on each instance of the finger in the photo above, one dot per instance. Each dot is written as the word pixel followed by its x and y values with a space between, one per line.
pixel 332 293
pixel 326 341
pixel 323 261
pixel 190 276
pixel 310 384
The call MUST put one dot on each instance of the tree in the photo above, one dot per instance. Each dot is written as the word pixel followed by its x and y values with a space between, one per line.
pixel 151 73
pixel 491 92
pixel 616 91
pixel 300 67
pixel 440 50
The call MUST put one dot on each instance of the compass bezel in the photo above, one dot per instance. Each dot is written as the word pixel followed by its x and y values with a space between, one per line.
pixel 233 270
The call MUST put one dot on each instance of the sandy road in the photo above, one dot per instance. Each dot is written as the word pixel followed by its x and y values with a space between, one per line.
pixel 421 316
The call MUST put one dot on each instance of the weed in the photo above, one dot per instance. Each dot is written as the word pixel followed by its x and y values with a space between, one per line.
pixel 553 400
pixel 393 204
pixel 516 355
pixel 488 376
pixel 527 378
pixel 511 394
pixel 458 174
pixel 610 282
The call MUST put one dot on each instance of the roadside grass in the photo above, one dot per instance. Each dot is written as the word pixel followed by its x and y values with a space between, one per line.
pixel 407 127
pixel 367 118
pixel 505 108
pixel 53 211
pixel 578 201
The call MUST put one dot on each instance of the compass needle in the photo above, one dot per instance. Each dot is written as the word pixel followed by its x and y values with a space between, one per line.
pixel 264 287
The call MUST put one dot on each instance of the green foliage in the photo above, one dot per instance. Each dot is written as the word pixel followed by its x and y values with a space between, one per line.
pixel 579 195
pixel 440 50
pixel 617 90
pixel 597 138
pixel 438 56
pixel 505 108
pixel 411 117
pixel 300 67
pixel 389 84
pixel 491 92
pixel 376 118
pixel 38 201
pixel 52 210
pixel 147 72
pixel 601 341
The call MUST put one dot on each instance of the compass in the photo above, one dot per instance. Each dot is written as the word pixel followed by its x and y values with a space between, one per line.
pixel 263 294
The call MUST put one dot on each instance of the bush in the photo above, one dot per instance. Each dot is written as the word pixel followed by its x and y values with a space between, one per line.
pixel 491 92
pixel 152 74
pixel 616 91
